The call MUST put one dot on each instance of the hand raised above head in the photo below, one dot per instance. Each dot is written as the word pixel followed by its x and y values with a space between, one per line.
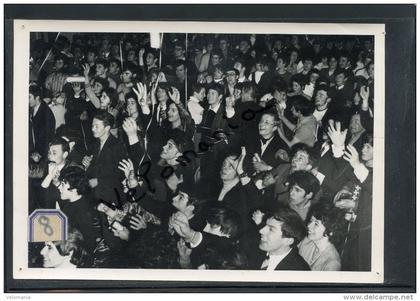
pixel 337 136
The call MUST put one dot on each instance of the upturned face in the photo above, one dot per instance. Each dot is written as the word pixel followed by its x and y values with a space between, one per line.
pixel 367 152
pixel 169 150
pixel 131 106
pixel 316 229
pixel 298 196
pixel 300 161
pixel 228 170
pixel 267 126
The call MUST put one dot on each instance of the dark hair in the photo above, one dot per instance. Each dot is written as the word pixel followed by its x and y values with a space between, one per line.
pixel 105 117
pixel 280 85
pixel 154 249
pixel 227 219
pixel 103 81
pixel 102 62
pixel 36 91
pixel 306 180
pixel 217 52
pixel 114 60
pixel 74 242
pixel 284 58
pixel 197 87
pixel 228 258
pixel 300 79
pixel 61 141
pixel 312 156
pixel 304 106
pixel 249 86
pixel 333 220
pixel 179 63
pixel 341 71
pixel 76 177
pixel 367 138
pixel 217 87
pixel 326 88
pixel 292 225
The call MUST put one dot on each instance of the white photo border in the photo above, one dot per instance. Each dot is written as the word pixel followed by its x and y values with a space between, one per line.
pixel 22 30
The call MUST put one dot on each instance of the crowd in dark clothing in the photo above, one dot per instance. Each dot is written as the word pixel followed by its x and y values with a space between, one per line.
pixel 212 151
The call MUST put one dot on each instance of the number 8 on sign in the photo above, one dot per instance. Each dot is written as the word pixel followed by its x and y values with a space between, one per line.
pixel 47 225
pixel 45 221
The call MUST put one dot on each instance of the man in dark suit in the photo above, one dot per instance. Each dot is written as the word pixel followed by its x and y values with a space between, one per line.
pixel 283 230
pixel 41 123
pixel 102 167
pixel 268 151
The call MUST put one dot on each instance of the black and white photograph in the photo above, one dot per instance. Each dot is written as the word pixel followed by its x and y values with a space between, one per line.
pixel 200 151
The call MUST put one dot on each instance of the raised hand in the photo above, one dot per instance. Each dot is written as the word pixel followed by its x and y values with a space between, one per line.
pixel 76 88
pixel 126 166
pixel 175 95
pixel 364 93
pixel 137 222
pixel 230 102
pixel 130 127
pixel 141 94
pixel 257 217
pixel 86 70
pixel 352 156
pixel 337 136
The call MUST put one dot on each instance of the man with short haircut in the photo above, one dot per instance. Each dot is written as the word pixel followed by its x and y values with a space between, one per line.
pixel 58 153
pixel 280 236
pixel 303 187
pixel 41 124
pixel 181 79
pixel 114 71
pixel 232 76
pixel 102 167
pixel 343 90
pixel 241 67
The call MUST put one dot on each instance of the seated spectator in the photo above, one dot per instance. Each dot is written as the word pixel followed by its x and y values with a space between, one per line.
pixel 326 227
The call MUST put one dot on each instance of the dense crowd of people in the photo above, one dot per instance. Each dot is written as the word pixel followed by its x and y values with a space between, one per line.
pixel 210 152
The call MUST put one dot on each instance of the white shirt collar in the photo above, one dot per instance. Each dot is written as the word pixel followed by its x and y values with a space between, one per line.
pixel 274 260
pixel 216 108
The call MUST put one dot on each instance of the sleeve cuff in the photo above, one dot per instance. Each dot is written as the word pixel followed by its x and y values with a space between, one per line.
pixel 199 240
pixel 338 152
pixel 361 172
pixel 230 113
